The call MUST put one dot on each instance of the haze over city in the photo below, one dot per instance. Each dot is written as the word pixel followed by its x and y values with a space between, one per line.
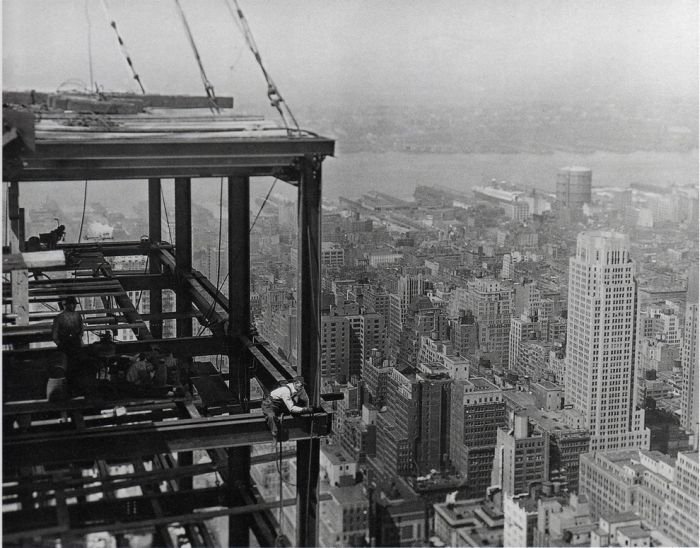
pixel 458 306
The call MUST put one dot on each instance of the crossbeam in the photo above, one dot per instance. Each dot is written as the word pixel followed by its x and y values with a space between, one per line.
pixel 147 439
pixel 144 157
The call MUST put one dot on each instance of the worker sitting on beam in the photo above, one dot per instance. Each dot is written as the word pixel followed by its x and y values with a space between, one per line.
pixel 288 398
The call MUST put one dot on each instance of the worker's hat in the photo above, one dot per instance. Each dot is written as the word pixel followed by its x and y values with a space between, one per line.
pixel 70 300
pixel 299 379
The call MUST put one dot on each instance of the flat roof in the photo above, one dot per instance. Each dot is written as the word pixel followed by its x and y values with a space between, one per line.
pixel 548 385
pixel 634 531
pixel 336 454
pixel 353 494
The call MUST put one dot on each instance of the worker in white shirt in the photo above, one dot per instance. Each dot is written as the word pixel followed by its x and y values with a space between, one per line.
pixel 288 398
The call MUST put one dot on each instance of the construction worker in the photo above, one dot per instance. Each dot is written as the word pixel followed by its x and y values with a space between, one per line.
pixel 140 372
pixel 285 399
pixel 67 331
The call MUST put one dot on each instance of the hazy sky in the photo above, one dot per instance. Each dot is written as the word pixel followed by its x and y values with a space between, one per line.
pixel 378 51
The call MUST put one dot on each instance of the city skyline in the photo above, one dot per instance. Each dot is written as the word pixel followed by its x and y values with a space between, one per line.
pixel 462 311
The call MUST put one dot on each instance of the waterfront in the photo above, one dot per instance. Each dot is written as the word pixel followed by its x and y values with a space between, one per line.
pixel 397 173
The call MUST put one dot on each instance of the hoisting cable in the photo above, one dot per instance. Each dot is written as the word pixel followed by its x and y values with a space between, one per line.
pixel 280 535
pixel 89 43
pixel 208 87
pixel 235 258
pixel 273 93
pixel 82 216
pixel 122 46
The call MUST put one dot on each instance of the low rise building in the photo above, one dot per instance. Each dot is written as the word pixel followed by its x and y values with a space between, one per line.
pixel 520 521
pixel 344 519
pixel 661 491
pixel 473 522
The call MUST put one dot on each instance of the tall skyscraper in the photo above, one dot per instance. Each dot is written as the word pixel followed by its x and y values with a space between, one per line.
pixel 601 342
pixel 689 360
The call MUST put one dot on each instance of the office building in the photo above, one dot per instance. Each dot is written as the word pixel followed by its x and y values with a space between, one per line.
pixel 600 342
pixel 464 335
pixel 520 520
pixel 491 305
pixel 422 319
pixel 332 255
pixel 375 375
pixel 343 519
pixel 566 445
pixel 477 411
pixel 398 426
pixel 689 361
pixel 563 520
pixel 442 352
pixel 522 457
pixel 335 347
pixel 432 444
pixel 408 287
pixel 660 490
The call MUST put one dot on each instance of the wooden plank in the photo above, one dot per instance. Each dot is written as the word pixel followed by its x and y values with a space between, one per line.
pixel 49 315
pixel 44 259
pixel 56 297
pixel 19 281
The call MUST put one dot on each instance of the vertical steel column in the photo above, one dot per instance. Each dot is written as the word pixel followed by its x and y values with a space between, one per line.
pixel 183 250
pixel 183 263
pixel 239 324
pixel 155 236
pixel 238 282
pixel 309 341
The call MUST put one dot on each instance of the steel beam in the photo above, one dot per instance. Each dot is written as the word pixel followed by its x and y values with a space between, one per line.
pixel 197 287
pixel 184 346
pixel 100 516
pixel 309 336
pixel 153 282
pixel 142 439
pixel 57 159
pixel 154 267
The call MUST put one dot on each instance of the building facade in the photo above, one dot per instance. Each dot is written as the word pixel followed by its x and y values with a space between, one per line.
pixel 601 342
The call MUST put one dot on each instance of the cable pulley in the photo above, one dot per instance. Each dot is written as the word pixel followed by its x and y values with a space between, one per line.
pixel 273 94
pixel 208 87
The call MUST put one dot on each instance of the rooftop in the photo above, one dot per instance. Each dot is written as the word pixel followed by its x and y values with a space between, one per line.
pixel 634 531
pixel 354 494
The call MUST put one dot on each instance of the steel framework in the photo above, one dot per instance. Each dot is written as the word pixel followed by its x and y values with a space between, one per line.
pixel 50 450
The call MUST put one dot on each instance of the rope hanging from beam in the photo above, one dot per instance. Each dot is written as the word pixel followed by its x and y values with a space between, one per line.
pixel 208 87
pixel 273 93
pixel 122 46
